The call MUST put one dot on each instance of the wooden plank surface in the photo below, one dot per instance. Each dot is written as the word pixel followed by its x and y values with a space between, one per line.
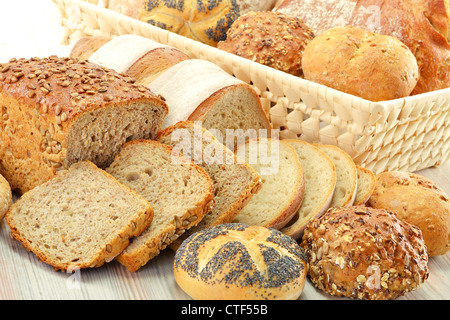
pixel 22 276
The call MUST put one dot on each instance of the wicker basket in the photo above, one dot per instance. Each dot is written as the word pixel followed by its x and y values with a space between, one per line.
pixel 405 134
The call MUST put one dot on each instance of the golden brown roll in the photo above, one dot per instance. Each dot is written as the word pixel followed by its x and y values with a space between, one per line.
pixel 364 253
pixel 270 38
pixel 368 65
pixel 418 201
pixel 234 261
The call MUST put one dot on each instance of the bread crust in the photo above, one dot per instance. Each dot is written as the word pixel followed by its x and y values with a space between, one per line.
pixel 269 38
pixel 365 253
pixel 240 262
pixel 355 61
pixel 42 99
pixel 418 201
pixel 86 46
pixel 5 197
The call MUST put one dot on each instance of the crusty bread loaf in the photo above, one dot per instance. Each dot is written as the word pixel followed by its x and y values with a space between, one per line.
pixel 346 176
pixel 235 182
pixel 269 38
pixel 201 20
pixel 5 196
pixel 365 64
pixel 319 173
pixel 129 8
pixel 283 186
pixel 180 192
pixel 319 15
pixel 365 186
pixel 199 90
pixel 364 253
pixel 418 201
pixel 421 25
pixel 57 111
pixel 239 262
pixel 138 57
pixel 82 218
pixel 246 6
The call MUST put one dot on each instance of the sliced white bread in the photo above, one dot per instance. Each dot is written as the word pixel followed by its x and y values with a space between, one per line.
pixel 366 184
pixel 346 176
pixel 235 182
pixel 283 184
pixel 320 180
pixel 199 90
pixel 180 192
pixel 82 218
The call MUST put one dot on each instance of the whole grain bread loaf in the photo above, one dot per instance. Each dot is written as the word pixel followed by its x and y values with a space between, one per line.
pixel 57 111
pixel 180 192
pixel 81 218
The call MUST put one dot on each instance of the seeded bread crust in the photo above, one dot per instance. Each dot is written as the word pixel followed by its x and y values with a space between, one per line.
pixel 418 201
pixel 5 196
pixel 269 38
pixel 239 262
pixel 118 239
pixel 151 243
pixel 364 253
pixel 226 208
pixel 41 100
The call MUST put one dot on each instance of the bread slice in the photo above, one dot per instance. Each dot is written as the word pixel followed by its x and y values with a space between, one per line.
pixel 235 182
pixel 5 196
pixel 346 176
pixel 320 181
pixel 199 90
pixel 82 218
pixel 366 184
pixel 180 192
pixel 283 184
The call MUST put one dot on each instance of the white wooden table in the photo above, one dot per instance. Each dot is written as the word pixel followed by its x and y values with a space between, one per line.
pixel 23 276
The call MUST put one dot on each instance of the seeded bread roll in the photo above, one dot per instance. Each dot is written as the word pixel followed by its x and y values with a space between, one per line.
pixel 5 196
pixel 364 253
pixel 418 201
pixel 365 64
pixel 269 38
pixel 201 20
pixel 240 262
pixel 57 111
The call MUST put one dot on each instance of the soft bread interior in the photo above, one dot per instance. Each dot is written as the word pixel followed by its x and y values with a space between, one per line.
pixel 99 135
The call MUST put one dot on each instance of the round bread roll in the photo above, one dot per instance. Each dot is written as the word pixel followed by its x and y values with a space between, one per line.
pixel 201 20
pixel 364 253
pixel 5 196
pixel 418 201
pixel 270 38
pixel 365 64
pixel 234 261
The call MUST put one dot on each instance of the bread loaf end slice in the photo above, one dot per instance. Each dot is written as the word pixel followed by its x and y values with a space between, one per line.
pixel 180 192
pixel 366 184
pixel 82 218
